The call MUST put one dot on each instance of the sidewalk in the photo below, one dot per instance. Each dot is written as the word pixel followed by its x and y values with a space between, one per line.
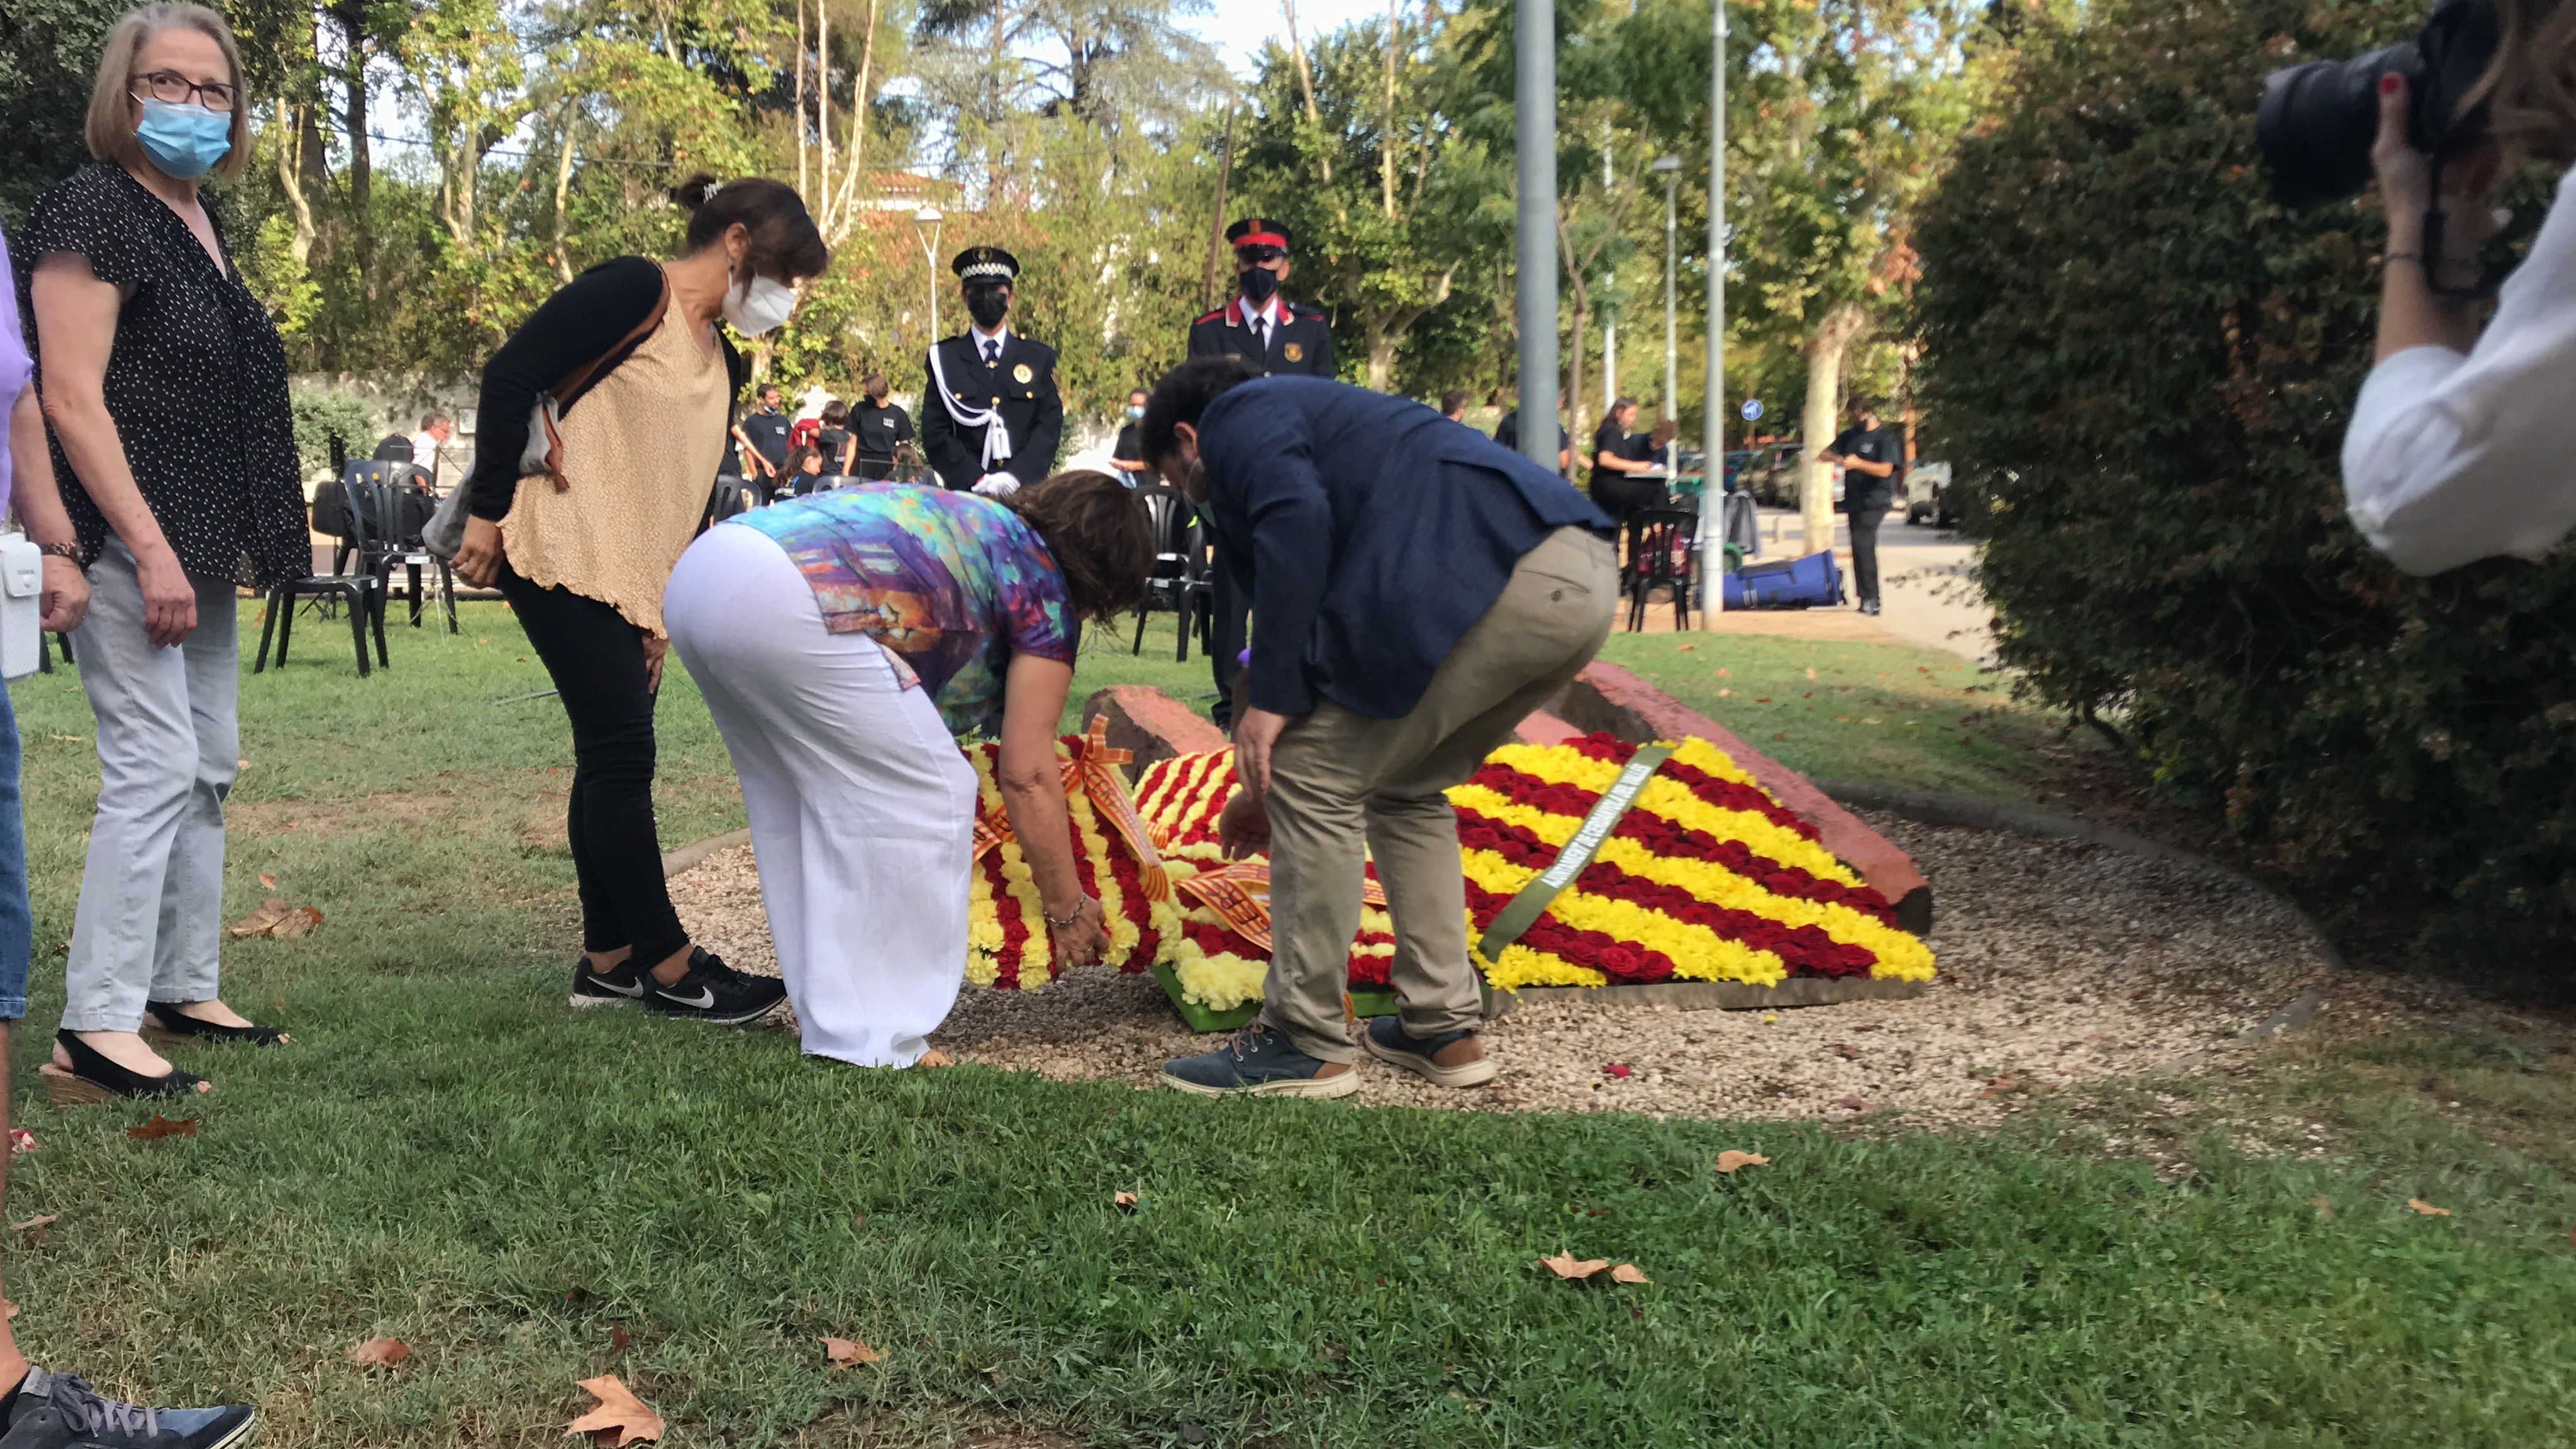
pixel 1924 591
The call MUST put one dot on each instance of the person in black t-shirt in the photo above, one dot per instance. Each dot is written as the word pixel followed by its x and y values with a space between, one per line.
pixel 835 441
pixel 880 427
pixel 1618 457
pixel 1508 433
pixel 1872 458
pixel 1128 454
pixel 763 434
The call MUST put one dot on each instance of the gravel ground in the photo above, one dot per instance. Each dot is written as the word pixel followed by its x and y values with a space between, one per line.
pixel 2060 963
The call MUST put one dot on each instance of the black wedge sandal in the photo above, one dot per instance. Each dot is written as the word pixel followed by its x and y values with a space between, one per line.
pixel 164 1022
pixel 94 1079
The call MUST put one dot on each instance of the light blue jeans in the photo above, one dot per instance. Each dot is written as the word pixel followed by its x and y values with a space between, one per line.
pixel 150 924
pixel 17 921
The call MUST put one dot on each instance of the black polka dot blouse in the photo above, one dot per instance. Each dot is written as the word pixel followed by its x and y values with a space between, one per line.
pixel 196 381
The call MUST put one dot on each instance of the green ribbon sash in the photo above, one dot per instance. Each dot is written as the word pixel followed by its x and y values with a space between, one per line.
pixel 1534 898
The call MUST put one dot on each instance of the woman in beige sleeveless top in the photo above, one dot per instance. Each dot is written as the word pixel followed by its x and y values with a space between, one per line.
pixel 643 381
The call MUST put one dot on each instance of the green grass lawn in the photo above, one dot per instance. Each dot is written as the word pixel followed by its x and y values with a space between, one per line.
pixel 450 1157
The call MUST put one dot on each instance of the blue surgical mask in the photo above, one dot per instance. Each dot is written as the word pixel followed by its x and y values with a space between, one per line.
pixel 1135 414
pixel 183 139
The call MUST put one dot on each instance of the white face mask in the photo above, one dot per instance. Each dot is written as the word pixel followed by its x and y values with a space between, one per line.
pixel 762 306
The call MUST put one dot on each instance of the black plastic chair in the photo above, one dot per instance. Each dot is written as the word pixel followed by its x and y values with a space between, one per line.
pixel 1661 544
pixel 1179 582
pixel 371 519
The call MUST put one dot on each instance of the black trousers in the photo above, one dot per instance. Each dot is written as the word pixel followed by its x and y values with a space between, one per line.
pixel 1864 532
pixel 1230 628
pixel 597 660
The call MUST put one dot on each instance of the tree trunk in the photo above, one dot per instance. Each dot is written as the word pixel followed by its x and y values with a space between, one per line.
pixel 290 178
pixel 563 189
pixel 1824 352
pixel 1386 127
pixel 804 185
pixel 1306 82
pixel 353 115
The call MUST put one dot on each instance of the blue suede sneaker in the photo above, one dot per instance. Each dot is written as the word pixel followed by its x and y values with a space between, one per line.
pixel 1260 1062
pixel 60 1411
pixel 1455 1060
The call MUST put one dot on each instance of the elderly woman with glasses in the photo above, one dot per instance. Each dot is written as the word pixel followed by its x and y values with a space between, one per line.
pixel 165 385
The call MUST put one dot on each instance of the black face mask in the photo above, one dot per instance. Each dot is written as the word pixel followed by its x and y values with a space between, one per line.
pixel 987 305
pixel 1258 284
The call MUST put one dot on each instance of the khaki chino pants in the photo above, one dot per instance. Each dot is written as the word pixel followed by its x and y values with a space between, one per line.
pixel 1342 783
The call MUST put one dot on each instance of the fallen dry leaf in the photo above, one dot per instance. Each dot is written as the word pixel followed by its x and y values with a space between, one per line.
pixel 1564 1265
pixel 380 1352
pixel 2324 1206
pixel 620 1419
pixel 1730 1160
pixel 1846 1050
pixel 848 1351
pixel 2426 1208
pixel 161 1126
pixel 1125 1200
pixel 2003 1082
pixel 21 1142
pixel 1726 674
pixel 617 1338
pixel 35 1227
pixel 1853 1104
pixel 267 882
pixel 1627 1273
pixel 1684 648
pixel 276 918
pixel 1811 671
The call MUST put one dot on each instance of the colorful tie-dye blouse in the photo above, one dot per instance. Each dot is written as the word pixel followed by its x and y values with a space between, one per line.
pixel 951 584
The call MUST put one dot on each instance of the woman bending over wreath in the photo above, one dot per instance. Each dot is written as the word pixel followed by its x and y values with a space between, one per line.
pixel 843 642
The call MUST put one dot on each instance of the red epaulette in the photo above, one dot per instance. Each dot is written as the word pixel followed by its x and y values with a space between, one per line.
pixel 1212 316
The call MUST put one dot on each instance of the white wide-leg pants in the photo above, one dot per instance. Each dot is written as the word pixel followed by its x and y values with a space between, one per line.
pixel 862 808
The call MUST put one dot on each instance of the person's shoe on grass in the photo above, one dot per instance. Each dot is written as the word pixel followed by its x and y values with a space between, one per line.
pixel 1455 1060
pixel 1260 1061
pixel 620 983
pixel 61 1411
pixel 712 992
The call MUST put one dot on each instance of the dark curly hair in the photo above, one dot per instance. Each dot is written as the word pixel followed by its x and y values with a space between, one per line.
pixel 1099 534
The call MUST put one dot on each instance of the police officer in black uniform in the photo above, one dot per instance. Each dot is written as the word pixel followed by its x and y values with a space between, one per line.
pixel 990 414
pixel 1277 336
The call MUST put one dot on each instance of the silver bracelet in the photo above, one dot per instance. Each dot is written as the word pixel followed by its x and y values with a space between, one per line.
pixel 1055 923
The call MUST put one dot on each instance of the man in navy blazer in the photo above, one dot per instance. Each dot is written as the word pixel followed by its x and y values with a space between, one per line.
pixel 1417 589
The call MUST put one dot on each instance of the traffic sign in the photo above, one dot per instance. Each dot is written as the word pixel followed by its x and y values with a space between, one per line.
pixel 1752 410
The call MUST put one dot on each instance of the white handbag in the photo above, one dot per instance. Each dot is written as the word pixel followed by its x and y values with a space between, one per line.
pixel 22 606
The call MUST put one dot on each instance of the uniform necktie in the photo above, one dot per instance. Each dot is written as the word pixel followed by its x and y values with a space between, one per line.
pixel 992 350
pixel 1261 332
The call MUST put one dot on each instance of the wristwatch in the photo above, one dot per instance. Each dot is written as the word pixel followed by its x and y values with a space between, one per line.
pixel 61 550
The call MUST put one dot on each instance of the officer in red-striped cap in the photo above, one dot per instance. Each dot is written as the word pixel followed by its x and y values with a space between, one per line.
pixel 1277 336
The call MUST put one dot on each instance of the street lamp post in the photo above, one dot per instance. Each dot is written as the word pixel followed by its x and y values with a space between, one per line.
pixel 925 224
pixel 1713 392
pixel 1670 168
pixel 1534 155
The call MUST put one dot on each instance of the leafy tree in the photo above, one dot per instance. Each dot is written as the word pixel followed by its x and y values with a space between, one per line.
pixel 2145 367
pixel 48 51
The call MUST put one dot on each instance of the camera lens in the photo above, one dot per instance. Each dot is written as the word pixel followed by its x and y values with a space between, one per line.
pixel 2317 121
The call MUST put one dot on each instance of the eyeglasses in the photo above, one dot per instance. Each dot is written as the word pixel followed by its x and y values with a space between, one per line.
pixel 173 89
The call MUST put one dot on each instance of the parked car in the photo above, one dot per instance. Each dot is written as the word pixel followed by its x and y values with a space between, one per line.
pixel 1929 497
pixel 1771 475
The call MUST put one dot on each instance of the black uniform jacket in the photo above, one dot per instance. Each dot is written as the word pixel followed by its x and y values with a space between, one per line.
pixel 1020 387
pixel 1300 346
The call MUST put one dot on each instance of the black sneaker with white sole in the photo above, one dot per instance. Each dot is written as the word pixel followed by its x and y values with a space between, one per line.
pixel 714 992
pixel 618 984
pixel 61 1411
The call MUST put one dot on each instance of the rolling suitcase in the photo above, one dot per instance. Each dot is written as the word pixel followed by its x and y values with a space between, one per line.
pixel 1789 583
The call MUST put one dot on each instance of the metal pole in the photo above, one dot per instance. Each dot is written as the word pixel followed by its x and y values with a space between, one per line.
pixel 1672 309
pixel 1534 147
pixel 1713 425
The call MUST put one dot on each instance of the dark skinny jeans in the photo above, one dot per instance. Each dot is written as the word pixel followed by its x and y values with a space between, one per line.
pixel 597 660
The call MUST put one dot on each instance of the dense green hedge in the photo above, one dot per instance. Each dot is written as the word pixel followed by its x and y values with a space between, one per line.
pixel 2146 367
